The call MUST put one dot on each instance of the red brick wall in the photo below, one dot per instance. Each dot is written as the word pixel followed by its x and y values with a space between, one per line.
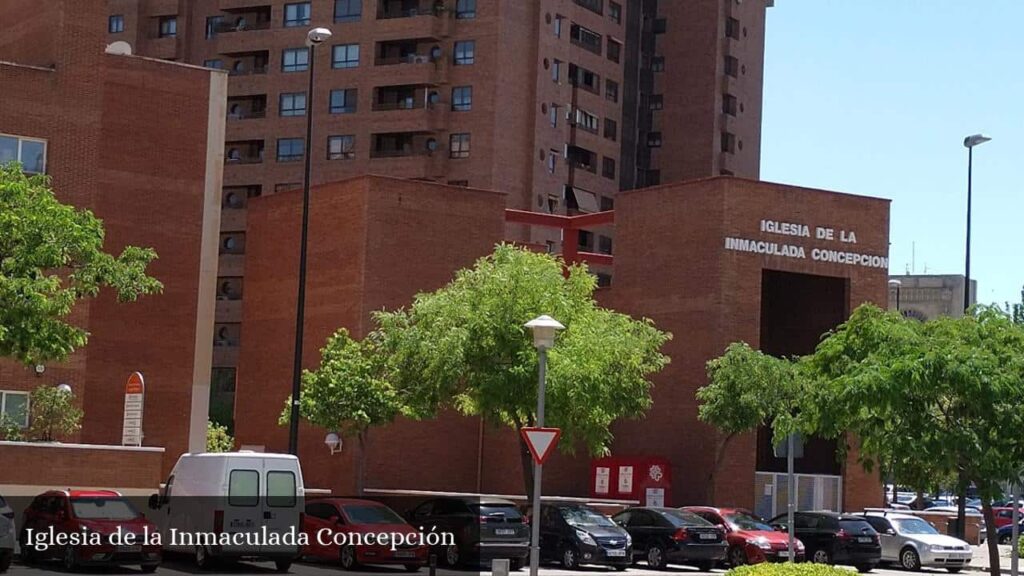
pixel 54 466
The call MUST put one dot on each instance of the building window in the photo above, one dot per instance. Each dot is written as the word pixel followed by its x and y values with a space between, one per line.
pixel 558 26
pixel 596 6
pixel 585 38
pixel 213 26
pixel 168 26
pixel 608 167
pixel 462 98
pixel 732 66
pixel 290 149
pixel 465 52
pixel 729 104
pixel 293 104
pixel 604 245
pixel 656 102
pixel 344 101
pixel 458 146
pixel 296 14
pixel 615 12
pixel 654 139
pixel 295 60
pixel 587 121
pixel 552 160
pixel 659 26
pixel 607 203
pixel 658 64
pixel 728 142
pixel 580 76
pixel 611 90
pixel 611 129
pixel 348 10
pixel 614 50
pixel 465 9
pixel 732 28
pixel 345 56
pixel 341 147
pixel 14 407
pixel 115 24
pixel 556 71
pixel 215 63
pixel 553 115
pixel 29 151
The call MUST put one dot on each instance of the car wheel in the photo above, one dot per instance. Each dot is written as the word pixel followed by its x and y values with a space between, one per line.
pixel 412 567
pixel 865 568
pixel 28 553
pixel 656 557
pixel 821 557
pixel 283 565
pixel 706 565
pixel 202 558
pixel 570 561
pixel 737 556
pixel 620 567
pixel 953 570
pixel 348 558
pixel 1005 538
pixel 149 568
pixel 515 564
pixel 909 559
pixel 452 556
pixel 70 562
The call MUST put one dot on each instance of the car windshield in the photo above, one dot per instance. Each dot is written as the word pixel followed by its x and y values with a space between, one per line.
pixel 856 526
pixel 369 514
pixel 104 509
pixel 914 526
pixel 584 516
pixel 680 518
pixel 743 521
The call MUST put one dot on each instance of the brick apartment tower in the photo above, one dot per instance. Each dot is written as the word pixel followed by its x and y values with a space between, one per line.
pixel 558 103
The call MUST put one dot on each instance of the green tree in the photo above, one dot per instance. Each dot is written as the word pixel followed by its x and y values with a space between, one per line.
pixel 218 439
pixel 51 256
pixel 748 389
pixel 10 430
pixel 348 393
pixel 52 414
pixel 465 347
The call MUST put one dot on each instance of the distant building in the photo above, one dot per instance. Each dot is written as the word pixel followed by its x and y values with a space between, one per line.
pixel 928 296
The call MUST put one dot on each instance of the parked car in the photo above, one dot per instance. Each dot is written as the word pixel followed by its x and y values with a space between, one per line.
pixel 232 492
pixel 751 540
pixel 7 535
pixel 484 529
pixel 832 538
pixel 1003 516
pixel 970 512
pixel 102 512
pixel 663 536
pixel 342 520
pixel 1004 535
pixel 575 534
pixel 914 543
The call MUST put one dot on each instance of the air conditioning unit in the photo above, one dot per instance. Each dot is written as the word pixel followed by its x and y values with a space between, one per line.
pixel 420 59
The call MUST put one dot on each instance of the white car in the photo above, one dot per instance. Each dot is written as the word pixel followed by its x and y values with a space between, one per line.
pixel 7 535
pixel 911 542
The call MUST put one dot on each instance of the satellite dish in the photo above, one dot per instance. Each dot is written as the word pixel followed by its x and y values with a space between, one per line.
pixel 431 144
pixel 121 48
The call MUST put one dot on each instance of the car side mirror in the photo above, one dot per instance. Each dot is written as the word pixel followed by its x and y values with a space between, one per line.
pixel 890 531
pixel 154 502
pixel 722 527
pixel 779 527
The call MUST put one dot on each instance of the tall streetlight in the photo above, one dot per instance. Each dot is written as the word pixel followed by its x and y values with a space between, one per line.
pixel 896 285
pixel 544 329
pixel 970 142
pixel 314 38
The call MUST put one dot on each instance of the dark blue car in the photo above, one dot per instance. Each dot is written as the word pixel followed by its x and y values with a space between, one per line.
pixel 1005 533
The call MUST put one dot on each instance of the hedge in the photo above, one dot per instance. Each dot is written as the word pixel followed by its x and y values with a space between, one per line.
pixel 788 569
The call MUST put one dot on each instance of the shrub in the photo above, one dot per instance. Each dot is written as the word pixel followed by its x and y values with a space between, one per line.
pixel 788 569
pixel 218 439
pixel 9 429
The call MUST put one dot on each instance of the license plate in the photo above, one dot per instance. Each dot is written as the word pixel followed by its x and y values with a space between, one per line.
pixel 616 552
pixel 705 536
pixel 783 553
pixel 130 549
pixel 405 554
pixel 864 539
pixel 505 532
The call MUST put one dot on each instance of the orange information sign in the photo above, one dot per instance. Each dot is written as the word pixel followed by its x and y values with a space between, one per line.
pixel 134 394
pixel 135 384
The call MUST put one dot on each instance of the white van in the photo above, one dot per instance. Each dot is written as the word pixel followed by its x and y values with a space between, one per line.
pixel 233 506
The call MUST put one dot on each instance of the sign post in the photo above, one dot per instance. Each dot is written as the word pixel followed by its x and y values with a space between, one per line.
pixel 134 395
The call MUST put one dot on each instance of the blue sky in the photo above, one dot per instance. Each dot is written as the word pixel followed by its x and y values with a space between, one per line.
pixel 875 97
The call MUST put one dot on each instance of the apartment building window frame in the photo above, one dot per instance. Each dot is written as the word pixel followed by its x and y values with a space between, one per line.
pixel 587 121
pixel 608 167
pixel 290 149
pixel 732 66
pixel 213 24
pixel 657 63
pixel 615 12
pixel 6 411
pixel 604 244
pixel 732 28
pixel 611 91
pixel 659 25
pixel 595 6
pixel 343 101
pixel 297 14
pixel 168 27
pixel 459 145
pixel 465 9
pixel 552 161
pixel 464 52
pixel 558 25
pixel 728 142
pixel 215 63
pixel 350 52
pixel 586 38
pixel 654 139
pixel 556 71
pixel 348 10
pixel 611 129
pixel 462 98
pixel 730 104
pixel 614 50
pixel 291 104
pixel 115 24
pixel 656 102
pixel 578 77
pixel 12 149
pixel 295 60
pixel 341 147
pixel 553 114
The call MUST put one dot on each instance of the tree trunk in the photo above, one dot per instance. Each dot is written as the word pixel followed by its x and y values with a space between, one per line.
pixel 990 535
pixel 719 455
pixel 361 461
pixel 919 501
pixel 961 505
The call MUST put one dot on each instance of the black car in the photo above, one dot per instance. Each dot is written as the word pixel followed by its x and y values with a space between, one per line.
pixel 664 536
pixel 484 529
pixel 574 534
pixel 832 538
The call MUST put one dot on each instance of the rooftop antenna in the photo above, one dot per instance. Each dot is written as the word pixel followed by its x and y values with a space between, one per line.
pixel 913 257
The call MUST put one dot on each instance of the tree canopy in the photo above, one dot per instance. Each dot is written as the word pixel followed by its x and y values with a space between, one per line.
pixel 51 257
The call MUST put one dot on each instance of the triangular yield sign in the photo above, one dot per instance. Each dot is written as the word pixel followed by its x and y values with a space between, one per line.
pixel 541 441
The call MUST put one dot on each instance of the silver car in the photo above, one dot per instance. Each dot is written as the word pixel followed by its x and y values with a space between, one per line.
pixel 912 542
pixel 7 535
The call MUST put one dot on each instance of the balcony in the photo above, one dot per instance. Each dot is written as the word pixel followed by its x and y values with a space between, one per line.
pixel 388 9
pixel 243 20
pixel 243 152
pixel 405 52
pixel 246 107
pixel 404 97
pixel 403 144
pixel 246 63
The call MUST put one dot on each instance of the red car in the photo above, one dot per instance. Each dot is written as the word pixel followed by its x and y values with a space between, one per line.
pixel 97 528
pixel 348 530
pixel 1004 516
pixel 751 540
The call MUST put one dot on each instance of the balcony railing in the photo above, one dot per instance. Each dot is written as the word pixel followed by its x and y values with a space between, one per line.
pixel 390 10
pixel 407 104
pixel 247 114
pixel 407 59
pixel 262 69
pixel 241 25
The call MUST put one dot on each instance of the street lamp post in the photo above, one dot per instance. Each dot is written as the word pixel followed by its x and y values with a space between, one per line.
pixel 970 142
pixel 544 329
pixel 896 285
pixel 314 37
